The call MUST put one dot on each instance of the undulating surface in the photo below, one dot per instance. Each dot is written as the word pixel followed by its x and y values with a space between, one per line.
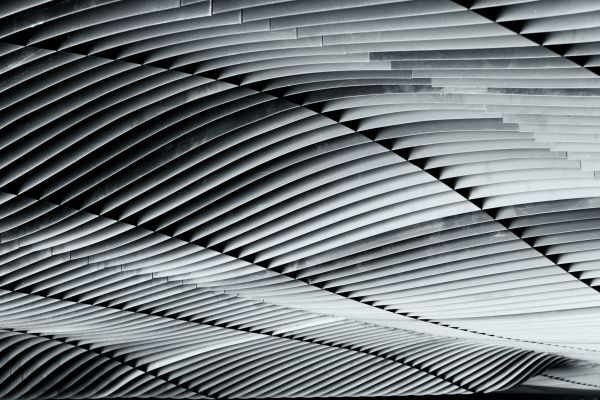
pixel 266 198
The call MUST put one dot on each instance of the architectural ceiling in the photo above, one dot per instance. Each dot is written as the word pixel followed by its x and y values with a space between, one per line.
pixel 235 199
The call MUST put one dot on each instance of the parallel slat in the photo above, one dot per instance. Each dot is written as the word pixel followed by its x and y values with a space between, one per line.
pixel 265 198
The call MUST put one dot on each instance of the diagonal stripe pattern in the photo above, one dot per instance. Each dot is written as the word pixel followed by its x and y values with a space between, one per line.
pixel 280 199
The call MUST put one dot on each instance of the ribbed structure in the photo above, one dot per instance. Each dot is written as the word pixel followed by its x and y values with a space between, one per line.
pixel 264 198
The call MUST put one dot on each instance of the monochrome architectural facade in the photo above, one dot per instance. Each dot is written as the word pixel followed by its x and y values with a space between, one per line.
pixel 279 199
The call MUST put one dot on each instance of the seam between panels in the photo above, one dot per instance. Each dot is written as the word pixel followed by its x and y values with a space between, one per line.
pixel 480 208
pixel 569 380
pixel 467 4
pixel 7 287
pixel 301 340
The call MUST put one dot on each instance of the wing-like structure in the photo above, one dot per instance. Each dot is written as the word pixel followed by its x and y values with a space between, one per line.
pixel 280 199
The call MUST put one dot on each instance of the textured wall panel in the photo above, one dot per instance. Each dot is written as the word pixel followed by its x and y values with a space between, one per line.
pixel 268 198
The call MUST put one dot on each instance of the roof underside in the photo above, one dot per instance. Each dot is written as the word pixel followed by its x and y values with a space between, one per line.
pixel 263 198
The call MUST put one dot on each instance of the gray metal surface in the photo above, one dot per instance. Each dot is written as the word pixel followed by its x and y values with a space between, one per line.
pixel 263 198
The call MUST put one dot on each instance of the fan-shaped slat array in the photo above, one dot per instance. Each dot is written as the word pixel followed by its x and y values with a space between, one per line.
pixel 261 198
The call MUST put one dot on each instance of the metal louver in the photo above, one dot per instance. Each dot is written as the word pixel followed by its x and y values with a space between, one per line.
pixel 279 199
